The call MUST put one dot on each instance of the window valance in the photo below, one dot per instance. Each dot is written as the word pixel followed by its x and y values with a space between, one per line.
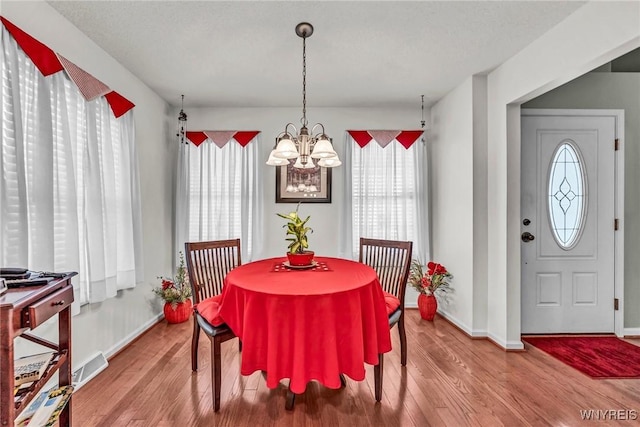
pixel 48 62
pixel 383 137
pixel 221 137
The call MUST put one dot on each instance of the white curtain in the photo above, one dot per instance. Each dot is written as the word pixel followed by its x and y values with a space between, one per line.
pixel 218 195
pixel 69 195
pixel 386 195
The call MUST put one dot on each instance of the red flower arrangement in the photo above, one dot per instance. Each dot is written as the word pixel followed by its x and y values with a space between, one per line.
pixel 435 279
pixel 176 290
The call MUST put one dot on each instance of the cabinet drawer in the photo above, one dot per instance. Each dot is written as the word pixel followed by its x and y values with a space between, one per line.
pixel 43 309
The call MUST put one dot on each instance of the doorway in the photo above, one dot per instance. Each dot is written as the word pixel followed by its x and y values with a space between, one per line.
pixel 570 179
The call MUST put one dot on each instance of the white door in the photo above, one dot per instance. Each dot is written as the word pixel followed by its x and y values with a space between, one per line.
pixel 568 213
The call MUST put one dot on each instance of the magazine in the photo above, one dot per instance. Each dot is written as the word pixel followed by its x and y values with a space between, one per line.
pixel 28 412
pixel 31 368
pixel 45 409
pixel 21 387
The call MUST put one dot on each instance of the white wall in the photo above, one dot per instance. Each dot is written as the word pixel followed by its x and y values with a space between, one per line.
pixel 451 170
pixel 480 218
pixel 108 325
pixel 596 33
pixel 458 148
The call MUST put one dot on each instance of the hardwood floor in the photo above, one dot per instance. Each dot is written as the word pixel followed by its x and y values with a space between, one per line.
pixel 449 380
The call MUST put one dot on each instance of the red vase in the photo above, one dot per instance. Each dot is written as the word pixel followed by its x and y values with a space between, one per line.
pixel 178 313
pixel 427 305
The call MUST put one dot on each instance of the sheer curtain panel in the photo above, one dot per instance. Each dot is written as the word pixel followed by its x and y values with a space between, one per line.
pixel 386 195
pixel 69 194
pixel 218 195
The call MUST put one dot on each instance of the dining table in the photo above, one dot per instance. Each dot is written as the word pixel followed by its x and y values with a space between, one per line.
pixel 316 322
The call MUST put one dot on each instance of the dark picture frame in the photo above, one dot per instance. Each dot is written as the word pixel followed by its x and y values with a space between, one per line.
pixel 294 185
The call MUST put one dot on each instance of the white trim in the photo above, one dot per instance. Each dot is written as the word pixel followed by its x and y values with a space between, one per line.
pixel 474 333
pixel 481 333
pixel 635 332
pixel 619 212
pixel 507 345
pixel 514 345
pixel 132 336
pixel 618 116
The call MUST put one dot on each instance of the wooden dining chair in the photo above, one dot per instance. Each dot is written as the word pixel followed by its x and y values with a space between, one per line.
pixel 391 260
pixel 208 263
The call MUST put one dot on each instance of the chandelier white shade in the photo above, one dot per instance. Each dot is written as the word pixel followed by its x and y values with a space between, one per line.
pixel 329 162
pixel 276 161
pixel 302 145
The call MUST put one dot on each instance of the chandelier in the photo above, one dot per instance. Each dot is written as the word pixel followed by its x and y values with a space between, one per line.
pixel 310 149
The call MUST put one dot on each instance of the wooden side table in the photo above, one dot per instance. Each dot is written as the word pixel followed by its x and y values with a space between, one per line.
pixel 21 311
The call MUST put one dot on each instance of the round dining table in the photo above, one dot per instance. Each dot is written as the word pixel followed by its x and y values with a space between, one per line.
pixel 305 324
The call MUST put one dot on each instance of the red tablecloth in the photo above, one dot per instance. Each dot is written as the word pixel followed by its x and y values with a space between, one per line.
pixel 306 324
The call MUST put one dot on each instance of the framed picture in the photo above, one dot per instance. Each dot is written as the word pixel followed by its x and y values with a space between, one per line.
pixel 295 185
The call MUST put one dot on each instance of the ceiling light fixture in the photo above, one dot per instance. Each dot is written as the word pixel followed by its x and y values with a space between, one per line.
pixel 304 146
pixel 182 124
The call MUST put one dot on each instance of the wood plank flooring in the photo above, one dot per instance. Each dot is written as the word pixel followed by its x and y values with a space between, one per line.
pixel 449 380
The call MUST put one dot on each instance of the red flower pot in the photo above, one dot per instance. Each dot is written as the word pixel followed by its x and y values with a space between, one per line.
pixel 180 313
pixel 304 258
pixel 427 305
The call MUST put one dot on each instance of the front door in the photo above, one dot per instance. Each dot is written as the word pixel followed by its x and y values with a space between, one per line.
pixel 567 225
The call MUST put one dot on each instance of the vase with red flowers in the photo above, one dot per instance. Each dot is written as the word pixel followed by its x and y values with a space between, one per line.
pixel 176 293
pixel 428 284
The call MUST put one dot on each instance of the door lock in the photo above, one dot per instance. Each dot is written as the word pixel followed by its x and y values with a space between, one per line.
pixel 527 237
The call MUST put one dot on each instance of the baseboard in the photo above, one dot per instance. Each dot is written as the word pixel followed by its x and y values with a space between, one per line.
pixel 120 345
pixel 631 332
pixel 472 333
pixel 506 345
pixel 482 334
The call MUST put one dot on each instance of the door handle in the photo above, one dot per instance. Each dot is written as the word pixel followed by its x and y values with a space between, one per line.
pixel 527 237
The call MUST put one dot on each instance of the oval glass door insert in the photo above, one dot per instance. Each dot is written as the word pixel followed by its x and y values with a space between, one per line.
pixel 567 195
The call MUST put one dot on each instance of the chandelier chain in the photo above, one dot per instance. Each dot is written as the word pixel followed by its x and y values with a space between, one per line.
pixel 304 81
pixel 311 148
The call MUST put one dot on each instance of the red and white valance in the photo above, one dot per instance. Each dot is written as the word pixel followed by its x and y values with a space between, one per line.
pixel 221 137
pixel 48 62
pixel 383 137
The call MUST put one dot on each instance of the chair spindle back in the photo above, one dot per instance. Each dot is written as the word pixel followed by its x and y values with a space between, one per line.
pixel 391 259
pixel 208 263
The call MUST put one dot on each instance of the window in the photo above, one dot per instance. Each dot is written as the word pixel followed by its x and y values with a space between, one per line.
pixel 68 189
pixel 217 194
pixel 567 190
pixel 387 194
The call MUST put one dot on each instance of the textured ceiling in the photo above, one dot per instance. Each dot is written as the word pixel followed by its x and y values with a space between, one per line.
pixel 362 54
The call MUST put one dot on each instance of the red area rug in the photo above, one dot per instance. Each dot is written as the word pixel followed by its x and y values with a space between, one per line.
pixel 598 357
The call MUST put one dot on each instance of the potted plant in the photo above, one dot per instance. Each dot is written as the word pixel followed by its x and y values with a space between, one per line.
pixel 297 229
pixel 176 293
pixel 436 279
